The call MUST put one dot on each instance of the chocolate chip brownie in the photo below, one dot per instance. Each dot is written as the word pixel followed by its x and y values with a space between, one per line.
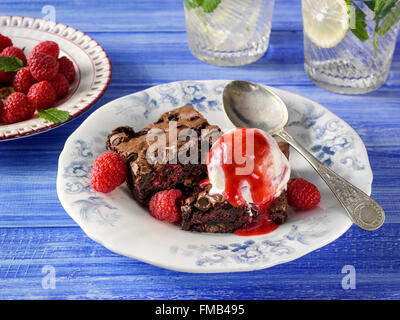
pixel 187 136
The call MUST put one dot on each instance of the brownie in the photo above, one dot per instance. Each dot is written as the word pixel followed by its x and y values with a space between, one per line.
pixel 150 174
pixel 205 212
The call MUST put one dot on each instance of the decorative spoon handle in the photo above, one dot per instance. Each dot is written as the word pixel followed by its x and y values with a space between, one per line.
pixel 362 209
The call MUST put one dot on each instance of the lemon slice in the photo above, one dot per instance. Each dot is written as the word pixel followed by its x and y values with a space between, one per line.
pixel 326 22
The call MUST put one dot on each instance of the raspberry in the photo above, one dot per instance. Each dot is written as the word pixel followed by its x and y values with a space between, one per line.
pixel 302 194
pixel 42 95
pixel 14 52
pixel 5 42
pixel 60 85
pixel 18 108
pixel 6 77
pixel 67 69
pixel 47 47
pixel 166 205
pixel 168 176
pixel 23 80
pixel 43 67
pixel 108 172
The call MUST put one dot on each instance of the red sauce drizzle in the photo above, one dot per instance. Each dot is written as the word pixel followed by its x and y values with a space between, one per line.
pixel 234 143
pixel 261 225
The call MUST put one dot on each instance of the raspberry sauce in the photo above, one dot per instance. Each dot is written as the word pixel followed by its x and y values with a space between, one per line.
pixel 252 162
pixel 261 225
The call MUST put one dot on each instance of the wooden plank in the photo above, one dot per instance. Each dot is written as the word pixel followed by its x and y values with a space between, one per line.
pixel 86 270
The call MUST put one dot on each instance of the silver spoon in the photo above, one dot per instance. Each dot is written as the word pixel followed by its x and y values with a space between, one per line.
pixel 249 105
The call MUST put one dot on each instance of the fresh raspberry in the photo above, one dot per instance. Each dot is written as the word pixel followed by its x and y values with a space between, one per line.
pixel 6 77
pixel 18 108
pixel 23 80
pixel 47 47
pixel 43 67
pixel 60 85
pixel 67 69
pixel 5 42
pixel 42 95
pixel 108 172
pixel 14 52
pixel 168 176
pixel 302 194
pixel 166 205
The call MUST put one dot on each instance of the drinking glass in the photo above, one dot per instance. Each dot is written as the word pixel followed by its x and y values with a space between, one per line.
pixel 361 62
pixel 228 32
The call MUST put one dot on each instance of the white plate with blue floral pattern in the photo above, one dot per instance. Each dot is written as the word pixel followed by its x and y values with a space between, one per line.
pixel 118 222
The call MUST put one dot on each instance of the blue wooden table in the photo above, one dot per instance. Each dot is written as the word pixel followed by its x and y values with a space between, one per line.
pixel 146 42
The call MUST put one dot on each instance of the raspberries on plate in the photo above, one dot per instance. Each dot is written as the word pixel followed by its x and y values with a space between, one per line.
pixel 60 85
pixel 165 205
pixel 302 194
pixel 5 42
pixel 108 172
pixel 44 78
pixel 18 107
pixel 67 69
pixel 42 94
pixel 43 67
pixel 14 52
pixel 23 80
pixel 47 47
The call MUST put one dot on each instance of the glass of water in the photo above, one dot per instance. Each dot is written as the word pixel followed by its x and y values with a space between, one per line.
pixel 228 32
pixel 348 45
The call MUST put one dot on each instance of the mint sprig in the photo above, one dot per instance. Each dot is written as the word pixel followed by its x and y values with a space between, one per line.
pixel 54 115
pixel 387 14
pixel 207 5
pixel 10 64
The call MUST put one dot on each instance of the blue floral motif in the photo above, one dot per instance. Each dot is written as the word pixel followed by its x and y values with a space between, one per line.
pixel 328 148
pixel 82 149
pixel 144 99
pixel 195 94
pixel 93 206
pixel 353 163
pixel 78 187
pixel 252 252
pixel 167 93
pixel 306 118
pixel 77 169
pixel 332 126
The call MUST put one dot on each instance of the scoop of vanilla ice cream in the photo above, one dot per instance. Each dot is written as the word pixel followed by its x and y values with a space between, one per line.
pixel 267 180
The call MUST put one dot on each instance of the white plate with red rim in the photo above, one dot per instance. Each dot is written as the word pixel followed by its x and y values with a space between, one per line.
pixel 118 222
pixel 93 68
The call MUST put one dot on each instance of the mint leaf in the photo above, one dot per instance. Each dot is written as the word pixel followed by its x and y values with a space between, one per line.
pixel 210 5
pixel 371 4
pixel 10 64
pixel 360 29
pixel 54 115
pixel 191 4
pixel 383 7
pixel 392 17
